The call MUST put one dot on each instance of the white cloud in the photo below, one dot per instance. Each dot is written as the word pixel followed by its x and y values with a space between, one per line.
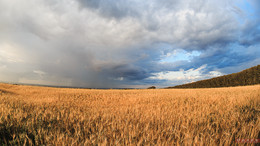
pixel 10 53
pixel 190 75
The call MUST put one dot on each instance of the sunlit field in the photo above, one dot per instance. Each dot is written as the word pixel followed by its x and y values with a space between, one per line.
pixel 57 116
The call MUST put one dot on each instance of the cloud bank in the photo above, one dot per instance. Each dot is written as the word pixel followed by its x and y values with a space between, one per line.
pixel 107 44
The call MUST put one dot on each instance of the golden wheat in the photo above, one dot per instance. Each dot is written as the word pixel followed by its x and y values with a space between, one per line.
pixel 56 116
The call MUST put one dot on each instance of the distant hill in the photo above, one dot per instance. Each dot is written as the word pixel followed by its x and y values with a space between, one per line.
pixel 249 76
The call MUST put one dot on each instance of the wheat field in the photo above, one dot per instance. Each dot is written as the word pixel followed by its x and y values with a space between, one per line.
pixel 31 115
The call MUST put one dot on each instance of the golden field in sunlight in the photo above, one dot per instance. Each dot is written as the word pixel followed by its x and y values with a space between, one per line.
pixel 58 116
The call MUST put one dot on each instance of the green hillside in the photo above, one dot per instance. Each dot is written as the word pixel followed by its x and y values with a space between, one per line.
pixel 249 76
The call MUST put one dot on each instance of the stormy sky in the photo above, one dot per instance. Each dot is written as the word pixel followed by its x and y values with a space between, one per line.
pixel 126 43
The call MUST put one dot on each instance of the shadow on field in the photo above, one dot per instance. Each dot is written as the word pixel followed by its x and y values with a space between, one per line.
pixel 9 135
pixel 2 91
pixel 250 113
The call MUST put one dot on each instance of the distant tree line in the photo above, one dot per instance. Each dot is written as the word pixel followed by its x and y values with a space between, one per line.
pixel 249 76
pixel 152 87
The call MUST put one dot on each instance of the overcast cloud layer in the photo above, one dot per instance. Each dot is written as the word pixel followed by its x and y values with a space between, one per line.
pixel 126 43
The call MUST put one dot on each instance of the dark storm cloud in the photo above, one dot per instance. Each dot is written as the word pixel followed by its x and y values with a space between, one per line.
pixel 129 72
pixel 219 59
pixel 251 33
pixel 251 29
pixel 111 8
pixel 98 43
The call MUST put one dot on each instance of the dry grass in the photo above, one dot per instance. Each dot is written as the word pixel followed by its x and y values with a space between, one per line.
pixel 41 115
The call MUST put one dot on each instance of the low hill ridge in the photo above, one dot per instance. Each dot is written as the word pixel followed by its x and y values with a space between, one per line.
pixel 250 76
